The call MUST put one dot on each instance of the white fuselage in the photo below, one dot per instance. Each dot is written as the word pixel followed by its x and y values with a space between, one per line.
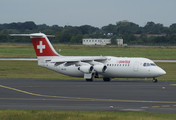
pixel 117 67
pixel 91 67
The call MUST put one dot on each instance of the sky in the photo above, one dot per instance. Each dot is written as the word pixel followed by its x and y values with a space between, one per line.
pixel 97 13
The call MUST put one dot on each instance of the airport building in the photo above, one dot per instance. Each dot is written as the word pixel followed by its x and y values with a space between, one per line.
pixel 100 41
pixel 119 41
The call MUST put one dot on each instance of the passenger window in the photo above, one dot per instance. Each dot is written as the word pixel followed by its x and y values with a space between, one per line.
pixel 107 64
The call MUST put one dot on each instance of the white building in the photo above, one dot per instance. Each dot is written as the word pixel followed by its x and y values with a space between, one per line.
pixel 119 41
pixel 100 41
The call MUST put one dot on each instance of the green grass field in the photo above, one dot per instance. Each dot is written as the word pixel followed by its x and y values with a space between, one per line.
pixel 30 69
pixel 81 115
pixel 27 51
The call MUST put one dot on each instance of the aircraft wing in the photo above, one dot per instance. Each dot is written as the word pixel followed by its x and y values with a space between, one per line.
pixel 74 60
pixel 78 59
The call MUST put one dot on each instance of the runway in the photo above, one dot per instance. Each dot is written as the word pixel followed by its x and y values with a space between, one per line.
pixel 117 95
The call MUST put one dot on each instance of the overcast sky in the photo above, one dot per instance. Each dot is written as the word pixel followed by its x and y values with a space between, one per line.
pixel 96 13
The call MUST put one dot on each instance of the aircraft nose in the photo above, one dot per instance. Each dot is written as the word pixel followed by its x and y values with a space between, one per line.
pixel 161 72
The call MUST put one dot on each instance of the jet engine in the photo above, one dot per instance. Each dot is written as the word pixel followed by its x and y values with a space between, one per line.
pixel 86 68
pixel 101 68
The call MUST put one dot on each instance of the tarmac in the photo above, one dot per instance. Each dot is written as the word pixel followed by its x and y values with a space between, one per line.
pixel 116 95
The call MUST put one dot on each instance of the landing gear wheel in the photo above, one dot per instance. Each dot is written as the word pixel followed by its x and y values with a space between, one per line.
pixel 89 80
pixel 154 80
pixel 106 79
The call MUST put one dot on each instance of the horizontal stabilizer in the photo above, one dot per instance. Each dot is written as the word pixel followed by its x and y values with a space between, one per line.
pixel 32 35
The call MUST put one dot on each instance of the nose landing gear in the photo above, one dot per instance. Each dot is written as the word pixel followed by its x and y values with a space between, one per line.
pixel 154 80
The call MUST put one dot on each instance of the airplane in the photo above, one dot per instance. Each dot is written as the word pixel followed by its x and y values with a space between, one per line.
pixel 90 67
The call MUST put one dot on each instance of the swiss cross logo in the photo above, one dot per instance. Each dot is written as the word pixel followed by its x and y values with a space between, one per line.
pixel 41 46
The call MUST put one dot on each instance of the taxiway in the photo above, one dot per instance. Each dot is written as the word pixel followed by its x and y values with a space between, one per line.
pixel 117 95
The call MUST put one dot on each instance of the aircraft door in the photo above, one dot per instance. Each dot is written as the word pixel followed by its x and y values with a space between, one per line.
pixel 135 67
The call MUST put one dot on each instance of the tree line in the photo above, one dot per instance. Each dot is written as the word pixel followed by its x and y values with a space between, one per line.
pixel 75 34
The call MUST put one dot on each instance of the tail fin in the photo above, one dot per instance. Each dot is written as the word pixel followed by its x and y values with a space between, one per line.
pixel 42 45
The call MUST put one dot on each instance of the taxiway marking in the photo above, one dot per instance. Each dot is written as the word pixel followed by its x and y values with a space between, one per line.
pixel 144 107
pixel 158 106
pixel 166 106
pixel 155 106
pixel 84 99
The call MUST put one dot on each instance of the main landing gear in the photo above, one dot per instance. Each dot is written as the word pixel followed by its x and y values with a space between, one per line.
pixel 91 79
pixel 154 80
pixel 107 79
pixel 104 79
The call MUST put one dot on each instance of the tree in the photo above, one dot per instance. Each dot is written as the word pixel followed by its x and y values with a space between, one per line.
pixel 109 29
pixel 153 28
pixel 3 38
pixel 65 38
pixel 71 30
pixel 143 38
pixel 122 29
pixel 132 38
pixel 87 29
pixel 78 38
pixel 173 28
pixel 28 25
pixel 114 40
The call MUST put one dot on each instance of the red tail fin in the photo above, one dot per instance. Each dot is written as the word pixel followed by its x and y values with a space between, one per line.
pixel 42 47
pixel 41 44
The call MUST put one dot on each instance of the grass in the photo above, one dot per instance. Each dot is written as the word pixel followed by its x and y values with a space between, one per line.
pixel 27 51
pixel 27 69
pixel 81 115
pixel 17 50
pixel 170 69
pixel 30 69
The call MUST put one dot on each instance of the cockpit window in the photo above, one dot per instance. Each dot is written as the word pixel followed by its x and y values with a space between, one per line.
pixel 152 64
pixel 148 64
pixel 144 64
